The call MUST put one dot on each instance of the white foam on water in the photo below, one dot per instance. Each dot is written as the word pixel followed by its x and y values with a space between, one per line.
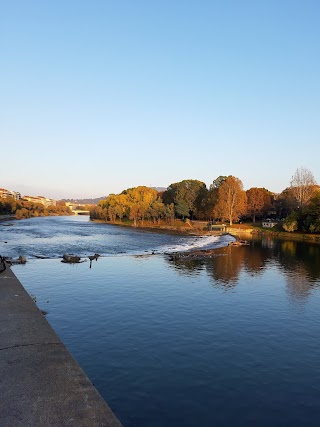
pixel 193 243
pixel 190 244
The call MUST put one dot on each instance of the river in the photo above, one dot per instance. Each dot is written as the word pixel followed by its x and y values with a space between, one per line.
pixel 232 340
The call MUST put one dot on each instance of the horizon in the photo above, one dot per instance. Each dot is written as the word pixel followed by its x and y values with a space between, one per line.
pixel 105 96
pixel 79 197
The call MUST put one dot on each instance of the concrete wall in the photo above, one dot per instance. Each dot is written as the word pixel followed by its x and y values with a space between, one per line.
pixel 41 384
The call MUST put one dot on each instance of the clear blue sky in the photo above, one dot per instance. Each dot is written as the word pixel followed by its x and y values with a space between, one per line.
pixel 98 96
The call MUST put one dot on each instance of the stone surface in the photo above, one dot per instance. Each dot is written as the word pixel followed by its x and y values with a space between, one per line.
pixel 40 382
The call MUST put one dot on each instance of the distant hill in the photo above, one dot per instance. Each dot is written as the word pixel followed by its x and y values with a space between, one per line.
pixel 85 201
pixel 160 189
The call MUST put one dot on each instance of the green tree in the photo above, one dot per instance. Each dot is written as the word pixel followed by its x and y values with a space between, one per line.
pixel 218 181
pixel 291 222
pixel 182 208
pixel 311 215
pixel 188 194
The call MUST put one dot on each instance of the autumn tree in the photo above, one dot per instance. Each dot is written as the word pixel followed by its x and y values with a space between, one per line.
pixel 137 202
pixel 231 203
pixel 211 198
pixel 157 210
pixel 258 201
pixel 302 185
pixel 8 205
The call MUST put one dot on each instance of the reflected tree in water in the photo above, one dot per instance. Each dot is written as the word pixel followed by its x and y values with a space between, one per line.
pixel 185 266
pixel 255 260
pixel 297 261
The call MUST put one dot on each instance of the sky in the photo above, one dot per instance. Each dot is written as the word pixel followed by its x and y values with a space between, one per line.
pixel 100 96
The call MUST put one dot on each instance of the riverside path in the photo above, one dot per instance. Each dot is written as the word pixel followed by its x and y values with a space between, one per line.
pixel 41 385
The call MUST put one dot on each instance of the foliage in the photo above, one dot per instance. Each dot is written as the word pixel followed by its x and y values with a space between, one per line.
pixel 285 203
pixel 137 204
pixel 291 223
pixel 218 181
pixel 24 209
pixel 258 202
pixel 231 203
pixel 182 208
pixel 188 196
pixel 225 200
pixel 310 217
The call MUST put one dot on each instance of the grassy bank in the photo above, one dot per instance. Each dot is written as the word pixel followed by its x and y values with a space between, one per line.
pixel 176 227
pixel 199 228
pixel 277 232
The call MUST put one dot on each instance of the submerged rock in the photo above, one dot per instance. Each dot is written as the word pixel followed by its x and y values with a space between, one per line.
pixel 70 258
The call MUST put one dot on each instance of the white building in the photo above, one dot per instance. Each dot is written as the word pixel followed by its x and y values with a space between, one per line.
pixel 40 199
pixel 268 223
pixel 4 194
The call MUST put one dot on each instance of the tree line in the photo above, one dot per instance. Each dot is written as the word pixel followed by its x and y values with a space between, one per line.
pixel 136 204
pixel 224 201
pixel 25 209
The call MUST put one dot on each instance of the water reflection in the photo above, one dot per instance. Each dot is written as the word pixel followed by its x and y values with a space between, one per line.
pixel 187 267
pixel 297 261
pixel 225 268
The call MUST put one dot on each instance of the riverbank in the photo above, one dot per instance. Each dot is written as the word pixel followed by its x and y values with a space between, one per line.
pixel 7 217
pixel 198 228
pixel 245 230
pixel 13 216
pixel 247 234
pixel 41 384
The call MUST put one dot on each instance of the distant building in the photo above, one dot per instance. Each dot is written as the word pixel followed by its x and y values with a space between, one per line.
pixel 40 199
pixel 17 195
pixel 268 223
pixel 4 194
pixel 74 206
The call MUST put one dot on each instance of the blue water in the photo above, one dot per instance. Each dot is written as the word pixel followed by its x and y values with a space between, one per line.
pixel 229 341
pixel 53 236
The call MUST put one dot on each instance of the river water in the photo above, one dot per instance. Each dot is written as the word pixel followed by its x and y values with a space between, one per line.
pixel 233 340
pixel 53 236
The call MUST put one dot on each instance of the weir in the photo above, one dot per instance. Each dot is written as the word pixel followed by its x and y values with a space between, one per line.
pixel 41 384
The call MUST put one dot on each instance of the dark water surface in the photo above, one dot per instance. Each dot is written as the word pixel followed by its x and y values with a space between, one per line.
pixel 230 341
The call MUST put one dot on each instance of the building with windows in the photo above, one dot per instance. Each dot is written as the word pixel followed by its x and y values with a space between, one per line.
pixel 4 194
pixel 40 199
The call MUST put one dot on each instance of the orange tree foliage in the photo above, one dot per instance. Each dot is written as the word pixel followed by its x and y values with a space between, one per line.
pixel 258 202
pixel 225 200
pixel 25 209
pixel 231 201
